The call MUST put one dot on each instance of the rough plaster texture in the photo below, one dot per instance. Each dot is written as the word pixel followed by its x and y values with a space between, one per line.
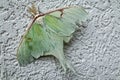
pixel 94 51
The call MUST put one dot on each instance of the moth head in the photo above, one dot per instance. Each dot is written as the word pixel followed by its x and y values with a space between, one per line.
pixel 39 20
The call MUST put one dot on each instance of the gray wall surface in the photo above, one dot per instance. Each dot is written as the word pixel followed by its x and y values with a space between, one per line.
pixel 94 51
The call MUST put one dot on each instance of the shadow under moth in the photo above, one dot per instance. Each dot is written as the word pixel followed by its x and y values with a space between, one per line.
pixel 48 32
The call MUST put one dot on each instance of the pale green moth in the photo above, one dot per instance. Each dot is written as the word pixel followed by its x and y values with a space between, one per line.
pixel 48 32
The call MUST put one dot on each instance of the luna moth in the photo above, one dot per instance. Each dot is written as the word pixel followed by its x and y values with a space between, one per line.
pixel 47 34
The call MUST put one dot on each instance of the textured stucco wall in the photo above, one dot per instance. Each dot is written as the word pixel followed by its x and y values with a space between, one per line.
pixel 94 51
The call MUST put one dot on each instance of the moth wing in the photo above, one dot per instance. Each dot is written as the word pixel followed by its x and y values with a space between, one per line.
pixel 64 23
pixel 58 26
pixel 71 14
pixel 23 54
pixel 58 52
pixel 74 14
pixel 34 44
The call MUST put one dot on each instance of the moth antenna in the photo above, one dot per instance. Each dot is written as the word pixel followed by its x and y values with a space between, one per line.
pixel 33 10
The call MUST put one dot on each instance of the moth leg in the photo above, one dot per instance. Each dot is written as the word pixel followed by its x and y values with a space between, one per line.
pixel 39 10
